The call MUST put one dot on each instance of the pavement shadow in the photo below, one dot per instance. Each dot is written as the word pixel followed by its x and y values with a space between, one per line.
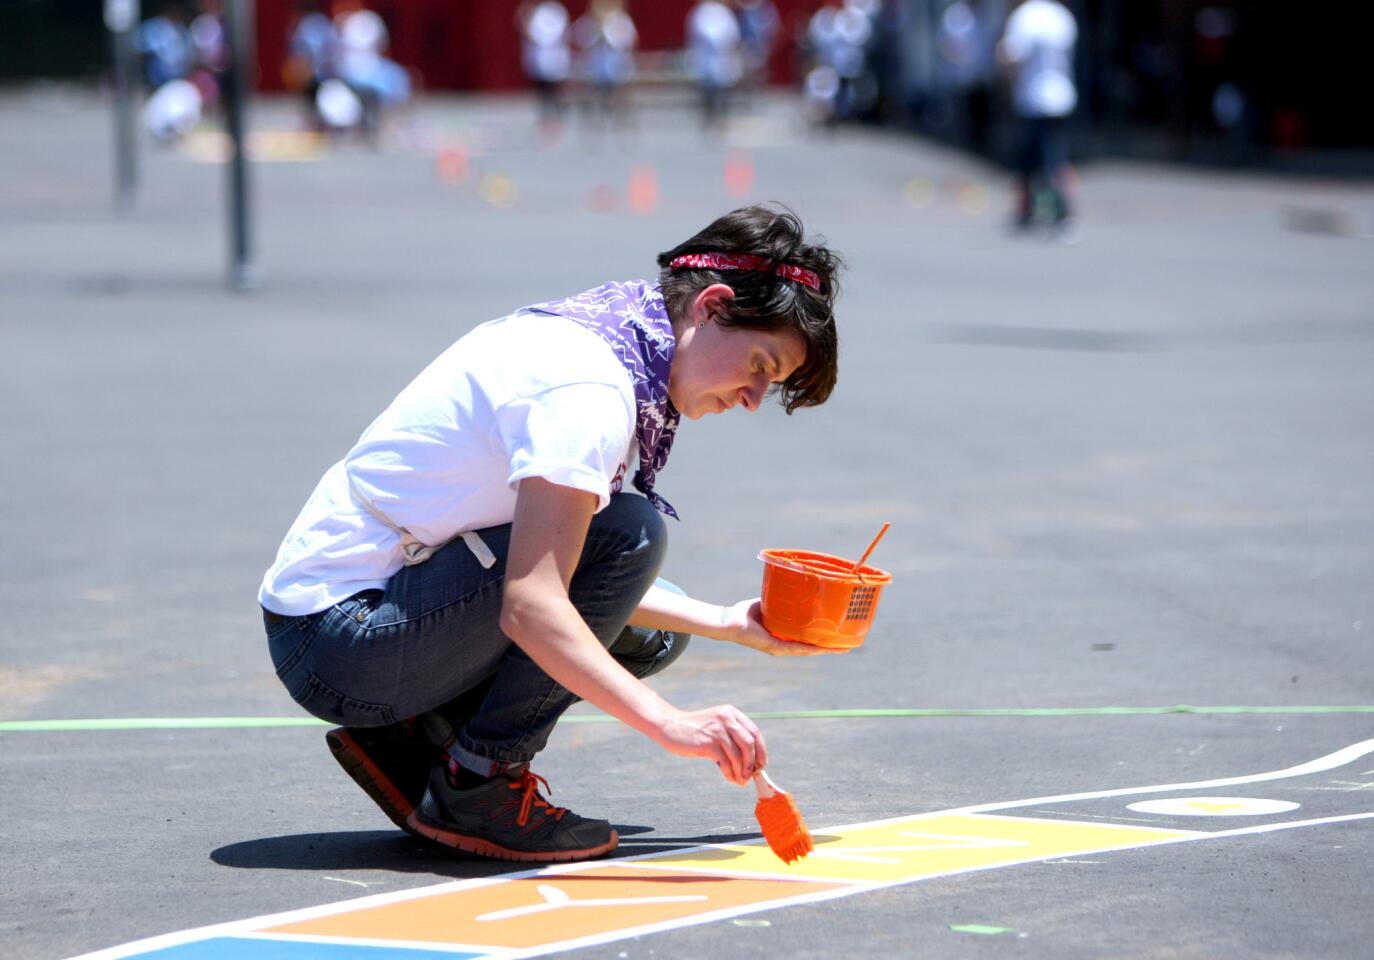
pixel 637 848
pixel 396 851
pixel 389 850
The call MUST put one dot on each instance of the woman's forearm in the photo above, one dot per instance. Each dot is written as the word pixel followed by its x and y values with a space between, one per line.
pixel 665 610
pixel 551 631
pixel 740 623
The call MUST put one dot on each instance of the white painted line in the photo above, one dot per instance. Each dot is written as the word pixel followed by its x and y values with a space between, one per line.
pixel 1329 762
pixel 247 927
pixel 555 899
pixel 1154 825
pixel 724 870
pixel 1274 827
pixel 486 951
pixel 961 843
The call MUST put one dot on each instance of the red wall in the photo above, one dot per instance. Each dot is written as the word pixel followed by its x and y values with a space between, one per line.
pixel 473 44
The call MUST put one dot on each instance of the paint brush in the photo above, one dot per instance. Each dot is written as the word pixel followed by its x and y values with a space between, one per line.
pixel 780 820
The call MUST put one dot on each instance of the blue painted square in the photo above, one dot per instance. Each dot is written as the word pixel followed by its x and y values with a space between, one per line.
pixel 252 948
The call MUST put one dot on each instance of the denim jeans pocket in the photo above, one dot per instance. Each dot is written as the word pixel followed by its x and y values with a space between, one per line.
pixel 289 642
pixel 323 701
pixel 359 608
pixel 275 624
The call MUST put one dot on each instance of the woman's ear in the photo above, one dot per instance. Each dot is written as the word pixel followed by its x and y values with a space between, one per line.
pixel 710 302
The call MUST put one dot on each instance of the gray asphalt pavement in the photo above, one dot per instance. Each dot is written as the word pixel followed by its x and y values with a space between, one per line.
pixel 1132 472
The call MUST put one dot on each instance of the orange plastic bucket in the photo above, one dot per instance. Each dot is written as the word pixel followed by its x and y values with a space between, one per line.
pixel 819 599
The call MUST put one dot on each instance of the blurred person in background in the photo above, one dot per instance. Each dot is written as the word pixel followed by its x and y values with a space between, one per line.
pixel 839 84
pixel 605 37
pixel 715 58
pixel 1037 48
pixel 472 567
pixel 175 104
pixel 380 83
pixel 546 55
pixel 210 46
pixel 821 82
pixel 312 49
pixel 967 44
pixel 164 45
pixel 758 30
pixel 312 69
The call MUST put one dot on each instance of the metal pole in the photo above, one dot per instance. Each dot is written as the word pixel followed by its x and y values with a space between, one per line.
pixel 238 32
pixel 121 16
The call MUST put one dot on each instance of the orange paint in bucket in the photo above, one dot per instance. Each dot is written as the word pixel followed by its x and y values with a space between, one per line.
pixel 819 599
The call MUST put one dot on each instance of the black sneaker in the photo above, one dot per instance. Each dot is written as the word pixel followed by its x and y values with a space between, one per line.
pixel 507 818
pixel 391 763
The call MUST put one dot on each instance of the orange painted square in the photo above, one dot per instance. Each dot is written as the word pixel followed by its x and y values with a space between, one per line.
pixel 458 916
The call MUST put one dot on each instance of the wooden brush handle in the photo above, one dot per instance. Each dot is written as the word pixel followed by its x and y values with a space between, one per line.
pixel 765 786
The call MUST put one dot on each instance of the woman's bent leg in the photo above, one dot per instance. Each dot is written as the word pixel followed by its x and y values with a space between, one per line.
pixel 471 802
pixel 430 647
pixel 645 652
pixel 378 657
pixel 624 548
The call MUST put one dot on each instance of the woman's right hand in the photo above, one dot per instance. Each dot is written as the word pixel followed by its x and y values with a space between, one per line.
pixel 743 624
pixel 723 735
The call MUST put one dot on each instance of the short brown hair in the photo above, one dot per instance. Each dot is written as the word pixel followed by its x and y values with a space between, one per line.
pixel 766 301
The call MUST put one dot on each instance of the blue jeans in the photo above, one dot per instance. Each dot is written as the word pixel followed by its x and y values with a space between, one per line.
pixel 1042 158
pixel 430 644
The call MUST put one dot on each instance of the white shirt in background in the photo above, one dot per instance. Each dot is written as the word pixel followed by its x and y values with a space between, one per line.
pixel 713 44
pixel 1039 40
pixel 546 52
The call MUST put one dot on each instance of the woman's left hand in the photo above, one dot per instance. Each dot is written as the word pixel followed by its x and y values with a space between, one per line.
pixel 743 624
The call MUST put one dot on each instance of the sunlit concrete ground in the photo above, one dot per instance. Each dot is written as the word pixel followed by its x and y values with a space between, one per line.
pixel 1134 471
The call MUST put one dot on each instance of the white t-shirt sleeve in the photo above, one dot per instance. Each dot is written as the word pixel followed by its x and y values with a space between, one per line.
pixel 575 435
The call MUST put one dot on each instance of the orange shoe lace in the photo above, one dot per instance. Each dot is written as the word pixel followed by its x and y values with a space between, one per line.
pixel 530 783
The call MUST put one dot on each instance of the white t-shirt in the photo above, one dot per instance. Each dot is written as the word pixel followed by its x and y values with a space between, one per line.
pixel 362 33
pixel 1039 39
pixel 523 396
pixel 713 40
pixel 546 52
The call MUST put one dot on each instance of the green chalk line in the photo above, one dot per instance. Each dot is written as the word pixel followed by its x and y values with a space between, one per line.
pixel 979 928
pixel 254 723
pixel 156 723
pixel 1054 711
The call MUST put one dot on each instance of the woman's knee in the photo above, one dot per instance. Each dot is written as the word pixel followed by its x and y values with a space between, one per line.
pixel 674 646
pixel 630 526
pixel 645 652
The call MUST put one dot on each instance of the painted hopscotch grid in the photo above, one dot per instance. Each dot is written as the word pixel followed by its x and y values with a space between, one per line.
pixel 558 908
pixel 567 906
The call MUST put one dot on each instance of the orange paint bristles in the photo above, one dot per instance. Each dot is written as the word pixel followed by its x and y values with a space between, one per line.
pixel 781 821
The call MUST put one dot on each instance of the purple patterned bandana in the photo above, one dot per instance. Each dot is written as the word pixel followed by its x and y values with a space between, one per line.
pixel 631 317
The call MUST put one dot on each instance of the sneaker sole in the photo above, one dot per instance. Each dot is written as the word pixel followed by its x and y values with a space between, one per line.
pixel 358 765
pixel 485 848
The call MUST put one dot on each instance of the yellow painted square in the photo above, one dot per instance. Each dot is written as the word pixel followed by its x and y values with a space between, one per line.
pixel 923 846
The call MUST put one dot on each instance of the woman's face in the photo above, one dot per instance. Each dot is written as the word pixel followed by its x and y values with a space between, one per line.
pixel 717 368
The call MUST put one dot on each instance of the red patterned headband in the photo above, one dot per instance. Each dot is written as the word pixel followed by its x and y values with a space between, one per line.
pixel 746 261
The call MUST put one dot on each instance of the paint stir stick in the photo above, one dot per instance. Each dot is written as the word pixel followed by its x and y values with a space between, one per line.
pixel 869 551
